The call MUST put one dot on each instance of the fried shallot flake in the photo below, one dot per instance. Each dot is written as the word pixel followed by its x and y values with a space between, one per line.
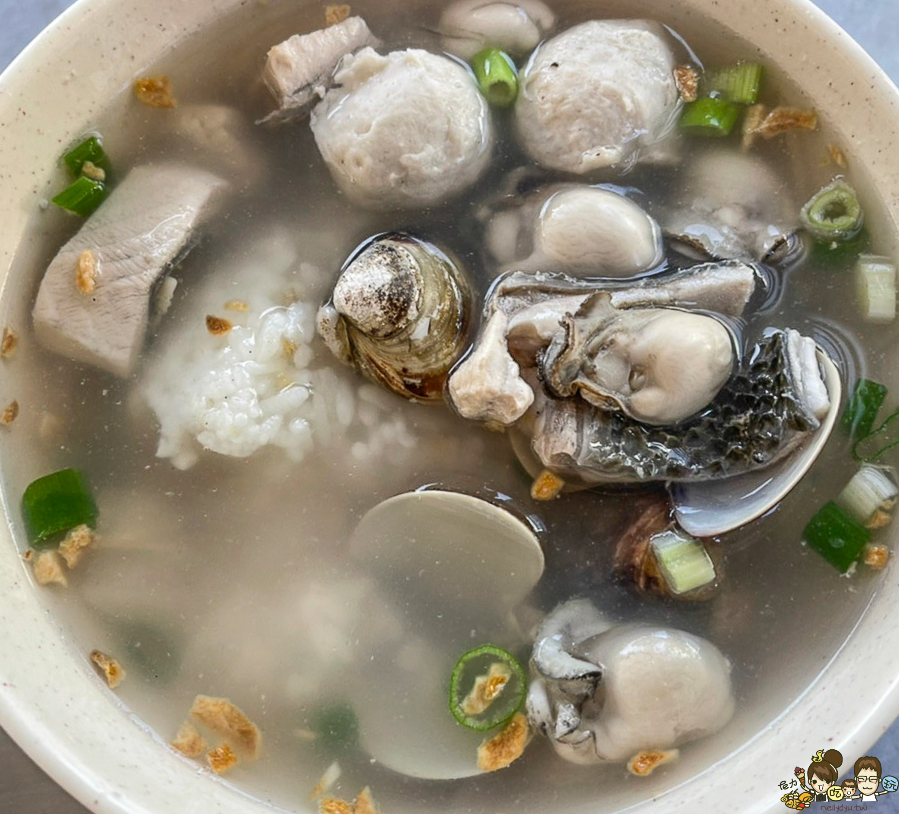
pixel 326 781
pixel 506 746
pixel 87 269
pixel 92 171
pixel 47 567
pixel 686 77
pixel 221 759
pixel 782 119
pixel 876 556
pixel 9 342
pixel 110 669
pixel 487 688
pixel 644 763
pixel 336 14
pixel 155 91
pixel 10 413
pixel 332 805
pixel 189 741
pixel 237 305
pixel 365 803
pixel 217 325
pixel 837 155
pixel 76 542
pixel 546 486
pixel 753 117
pixel 225 719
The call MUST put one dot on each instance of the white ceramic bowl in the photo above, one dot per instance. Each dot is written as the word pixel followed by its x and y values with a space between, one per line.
pixel 51 702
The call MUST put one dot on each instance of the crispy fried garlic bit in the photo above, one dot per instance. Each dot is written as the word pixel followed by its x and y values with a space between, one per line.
pixel 225 719
pixel 76 542
pixel 644 763
pixel 155 91
pixel 506 746
pixel 221 759
pixel 47 567
pixel 189 741
pixel 110 669
pixel 487 688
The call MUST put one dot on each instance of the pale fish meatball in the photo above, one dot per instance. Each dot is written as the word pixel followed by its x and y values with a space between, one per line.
pixel 597 95
pixel 408 129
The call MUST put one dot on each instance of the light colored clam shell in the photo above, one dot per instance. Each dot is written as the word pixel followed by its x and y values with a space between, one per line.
pixel 449 564
pixel 709 508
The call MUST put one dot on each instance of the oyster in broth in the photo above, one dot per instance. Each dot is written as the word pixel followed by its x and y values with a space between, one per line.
pixel 399 313
pixel 773 403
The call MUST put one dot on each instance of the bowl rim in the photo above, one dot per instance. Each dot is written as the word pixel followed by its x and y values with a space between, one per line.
pixel 79 738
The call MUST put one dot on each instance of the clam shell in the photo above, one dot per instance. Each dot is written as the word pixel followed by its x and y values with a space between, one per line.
pixel 453 568
pixel 715 507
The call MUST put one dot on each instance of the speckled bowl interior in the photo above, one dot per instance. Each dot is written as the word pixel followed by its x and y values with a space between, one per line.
pixel 52 704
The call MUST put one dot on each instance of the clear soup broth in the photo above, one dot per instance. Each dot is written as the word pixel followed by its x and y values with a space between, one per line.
pixel 232 577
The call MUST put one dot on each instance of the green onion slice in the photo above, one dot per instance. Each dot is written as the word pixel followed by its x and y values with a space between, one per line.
pixel 710 116
pixel 91 149
pixel 487 688
pixel 875 285
pixel 82 196
pixel 871 446
pixel 836 536
pixel 683 561
pixel 870 496
pixel 833 213
pixel 864 404
pixel 496 75
pixel 56 503
pixel 738 83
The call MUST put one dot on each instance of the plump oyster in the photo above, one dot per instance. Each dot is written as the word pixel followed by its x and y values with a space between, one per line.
pixel 580 230
pixel 467 26
pixel 604 693
pixel 772 404
pixel 399 313
pixel 526 311
pixel 733 205
pixel 657 365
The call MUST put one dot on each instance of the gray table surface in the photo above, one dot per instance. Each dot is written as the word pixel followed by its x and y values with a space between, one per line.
pixel 24 788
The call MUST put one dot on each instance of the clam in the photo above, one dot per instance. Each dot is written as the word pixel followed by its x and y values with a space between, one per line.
pixel 467 26
pixel 657 365
pixel 399 313
pixel 454 568
pixel 604 693
pixel 715 507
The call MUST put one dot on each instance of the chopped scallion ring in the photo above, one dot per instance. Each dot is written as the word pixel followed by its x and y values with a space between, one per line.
pixel 738 83
pixel 833 213
pixel 710 116
pixel 836 536
pixel 497 76
pixel 487 688
pixel 90 150
pixel 56 503
pixel 864 404
pixel 82 197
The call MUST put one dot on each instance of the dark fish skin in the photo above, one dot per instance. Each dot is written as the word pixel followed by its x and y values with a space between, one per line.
pixel 755 419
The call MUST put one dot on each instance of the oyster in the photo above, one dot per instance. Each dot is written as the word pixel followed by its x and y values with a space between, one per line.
pixel 770 406
pixel 604 693
pixel 657 365
pixel 738 208
pixel 399 313
pixel 580 230
pixel 525 312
